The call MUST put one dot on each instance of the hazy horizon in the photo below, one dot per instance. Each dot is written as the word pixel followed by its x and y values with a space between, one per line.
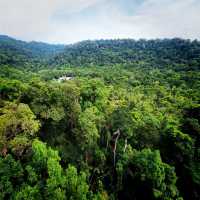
pixel 67 22
pixel 72 43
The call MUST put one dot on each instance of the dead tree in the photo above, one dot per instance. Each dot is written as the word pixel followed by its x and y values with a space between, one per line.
pixel 114 141
pixel 125 145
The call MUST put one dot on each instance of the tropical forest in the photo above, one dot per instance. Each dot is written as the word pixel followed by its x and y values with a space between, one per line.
pixel 110 119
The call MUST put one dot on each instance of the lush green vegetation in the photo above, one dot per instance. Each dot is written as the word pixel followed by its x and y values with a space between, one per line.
pixel 176 53
pixel 21 54
pixel 118 129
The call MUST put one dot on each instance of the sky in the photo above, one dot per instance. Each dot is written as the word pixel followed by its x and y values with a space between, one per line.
pixel 69 21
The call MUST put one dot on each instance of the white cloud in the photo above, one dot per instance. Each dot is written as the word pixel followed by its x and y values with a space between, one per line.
pixel 68 21
pixel 31 19
pixel 168 18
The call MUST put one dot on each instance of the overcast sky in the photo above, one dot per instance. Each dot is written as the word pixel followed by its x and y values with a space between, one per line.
pixel 68 21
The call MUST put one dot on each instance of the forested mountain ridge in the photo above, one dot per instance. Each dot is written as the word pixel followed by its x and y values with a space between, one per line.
pixel 17 52
pixel 100 120
pixel 175 53
pixel 154 53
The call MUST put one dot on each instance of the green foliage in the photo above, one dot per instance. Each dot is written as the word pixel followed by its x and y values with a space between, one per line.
pixel 20 53
pixel 18 127
pixel 88 121
pixel 11 89
pixel 147 166
pixel 141 108
pixel 183 54
pixel 11 173
pixel 28 192
pixel 76 184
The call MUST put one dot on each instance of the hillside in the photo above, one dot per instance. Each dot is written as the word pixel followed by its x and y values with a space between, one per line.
pixel 175 53
pixel 17 52
pixel 154 53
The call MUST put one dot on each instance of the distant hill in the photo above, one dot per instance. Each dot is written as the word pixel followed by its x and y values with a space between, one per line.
pixel 156 53
pixel 179 53
pixel 17 52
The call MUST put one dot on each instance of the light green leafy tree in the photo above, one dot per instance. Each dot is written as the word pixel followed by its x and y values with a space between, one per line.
pixel 18 126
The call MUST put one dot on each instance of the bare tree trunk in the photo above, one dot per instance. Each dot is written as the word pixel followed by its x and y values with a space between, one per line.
pixel 115 138
pixel 107 139
pixel 125 145
pixel 86 157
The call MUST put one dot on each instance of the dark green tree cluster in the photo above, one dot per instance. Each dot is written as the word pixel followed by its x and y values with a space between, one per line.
pixel 179 53
pixel 26 54
pixel 174 53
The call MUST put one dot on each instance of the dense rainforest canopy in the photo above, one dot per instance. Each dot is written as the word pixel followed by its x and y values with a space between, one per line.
pixel 123 123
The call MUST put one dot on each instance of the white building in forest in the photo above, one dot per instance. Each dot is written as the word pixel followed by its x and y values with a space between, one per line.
pixel 65 78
